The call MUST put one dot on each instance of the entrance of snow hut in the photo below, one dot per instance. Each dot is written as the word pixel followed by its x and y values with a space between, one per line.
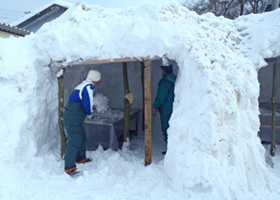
pixel 111 88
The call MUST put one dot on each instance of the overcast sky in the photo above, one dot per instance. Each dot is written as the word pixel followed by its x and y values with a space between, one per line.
pixel 11 10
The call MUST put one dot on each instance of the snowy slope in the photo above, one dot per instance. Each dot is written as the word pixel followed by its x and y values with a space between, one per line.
pixel 213 151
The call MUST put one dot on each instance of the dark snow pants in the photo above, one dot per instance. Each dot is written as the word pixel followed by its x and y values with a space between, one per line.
pixel 165 115
pixel 73 117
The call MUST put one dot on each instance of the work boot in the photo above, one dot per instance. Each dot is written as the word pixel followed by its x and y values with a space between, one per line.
pixel 86 160
pixel 73 172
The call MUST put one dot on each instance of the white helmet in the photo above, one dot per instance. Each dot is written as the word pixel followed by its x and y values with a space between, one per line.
pixel 94 75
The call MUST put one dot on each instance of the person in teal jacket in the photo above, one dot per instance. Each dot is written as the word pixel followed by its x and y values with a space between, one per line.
pixel 165 97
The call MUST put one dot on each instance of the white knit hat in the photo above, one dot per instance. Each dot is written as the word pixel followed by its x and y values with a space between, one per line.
pixel 94 75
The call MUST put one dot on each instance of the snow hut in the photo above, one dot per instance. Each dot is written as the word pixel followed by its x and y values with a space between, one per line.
pixel 214 151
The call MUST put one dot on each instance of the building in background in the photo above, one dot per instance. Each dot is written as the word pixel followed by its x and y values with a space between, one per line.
pixel 269 6
pixel 34 20
pixel 7 31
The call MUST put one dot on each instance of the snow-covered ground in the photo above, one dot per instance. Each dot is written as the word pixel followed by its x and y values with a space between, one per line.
pixel 213 149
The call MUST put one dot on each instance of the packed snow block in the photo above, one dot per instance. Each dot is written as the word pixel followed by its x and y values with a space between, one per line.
pixel 266 125
pixel 106 129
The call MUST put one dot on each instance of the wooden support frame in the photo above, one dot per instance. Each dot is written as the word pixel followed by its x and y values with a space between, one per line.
pixel 60 78
pixel 148 112
pixel 127 104
pixel 273 120
pixel 118 60
pixel 146 64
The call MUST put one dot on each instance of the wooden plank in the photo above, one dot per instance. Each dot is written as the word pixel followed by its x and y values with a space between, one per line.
pixel 273 101
pixel 143 94
pixel 148 112
pixel 126 104
pixel 118 60
pixel 269 126
pixel 60 78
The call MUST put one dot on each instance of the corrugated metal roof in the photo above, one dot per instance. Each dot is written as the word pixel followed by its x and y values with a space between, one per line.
pixel 42 14
pixel 37 11
pixel 13 30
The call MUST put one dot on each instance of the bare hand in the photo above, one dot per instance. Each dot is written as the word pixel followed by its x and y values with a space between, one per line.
pixel 154 112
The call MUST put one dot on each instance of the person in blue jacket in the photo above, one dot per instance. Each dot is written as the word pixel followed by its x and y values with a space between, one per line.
pixel 164 98
pixel 79 106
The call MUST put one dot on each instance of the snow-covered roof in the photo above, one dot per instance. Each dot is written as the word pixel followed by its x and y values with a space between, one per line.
pixel 42 12
pixel 13 30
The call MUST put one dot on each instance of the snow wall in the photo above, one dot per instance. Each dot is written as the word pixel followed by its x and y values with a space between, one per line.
pixel 213 151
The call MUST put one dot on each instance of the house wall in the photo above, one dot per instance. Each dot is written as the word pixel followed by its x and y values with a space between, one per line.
pixel 6 35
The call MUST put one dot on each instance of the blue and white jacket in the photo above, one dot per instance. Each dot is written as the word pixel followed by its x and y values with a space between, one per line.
pixel 83 94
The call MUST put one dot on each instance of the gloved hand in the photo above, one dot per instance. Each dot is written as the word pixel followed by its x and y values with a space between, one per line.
pixel 154 112
pixel 89 116
pixel 93 109
pixel 129 97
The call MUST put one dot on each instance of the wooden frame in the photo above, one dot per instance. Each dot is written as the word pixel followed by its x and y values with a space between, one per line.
pixel 147 98
pixel 60 78
pixel 127 104
pixel 148 112
pixel 107 61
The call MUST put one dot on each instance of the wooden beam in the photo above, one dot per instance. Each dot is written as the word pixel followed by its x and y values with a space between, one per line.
pixel 148 112
pixel 273 120
pixel 60 77
pixel 269 126
pixel 126 104
pixel 143 94
pixel 118 60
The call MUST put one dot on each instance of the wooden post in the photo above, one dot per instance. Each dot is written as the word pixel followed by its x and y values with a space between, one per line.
pixel 127 104
pixel 273 101
pixel 143 94
pixel 148 112
pixel 60 77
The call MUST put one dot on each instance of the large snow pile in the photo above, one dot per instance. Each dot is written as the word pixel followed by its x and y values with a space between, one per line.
pixel 213 151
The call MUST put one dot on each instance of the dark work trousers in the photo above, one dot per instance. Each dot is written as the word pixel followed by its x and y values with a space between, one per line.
pixel 74 117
